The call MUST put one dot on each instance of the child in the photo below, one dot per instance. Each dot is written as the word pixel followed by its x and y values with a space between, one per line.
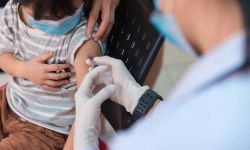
pixel 33 118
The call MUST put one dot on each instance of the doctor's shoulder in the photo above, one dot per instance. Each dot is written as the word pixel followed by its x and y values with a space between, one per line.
pixel 237 84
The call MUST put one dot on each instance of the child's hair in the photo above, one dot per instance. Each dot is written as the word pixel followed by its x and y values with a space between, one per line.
pixel 57 9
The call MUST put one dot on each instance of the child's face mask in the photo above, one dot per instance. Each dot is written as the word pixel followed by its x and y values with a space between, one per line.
pixel 59 27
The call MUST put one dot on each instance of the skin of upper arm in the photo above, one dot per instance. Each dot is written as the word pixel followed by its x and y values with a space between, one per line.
pixel 89 49
pixel 7 61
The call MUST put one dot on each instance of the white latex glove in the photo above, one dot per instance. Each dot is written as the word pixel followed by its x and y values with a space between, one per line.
pixel 87 122
pixel 128 91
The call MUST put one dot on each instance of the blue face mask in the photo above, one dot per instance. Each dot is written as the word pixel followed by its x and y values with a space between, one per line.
pixel 60 27
pixel 169 28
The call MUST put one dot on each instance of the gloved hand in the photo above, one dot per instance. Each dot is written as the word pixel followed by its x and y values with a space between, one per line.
pixel 87 122
pixel 128 91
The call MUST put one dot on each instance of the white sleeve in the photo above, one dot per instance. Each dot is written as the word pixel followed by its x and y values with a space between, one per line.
pixel 194 124
pixel 141 136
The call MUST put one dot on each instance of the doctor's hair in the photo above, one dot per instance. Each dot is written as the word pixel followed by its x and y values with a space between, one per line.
pixel 245 5
pixel 57 9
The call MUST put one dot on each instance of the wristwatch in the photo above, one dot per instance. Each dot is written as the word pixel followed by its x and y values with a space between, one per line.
pixel 145 103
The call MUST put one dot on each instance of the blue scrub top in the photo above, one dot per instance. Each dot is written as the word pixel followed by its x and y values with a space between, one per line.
pixel 209 109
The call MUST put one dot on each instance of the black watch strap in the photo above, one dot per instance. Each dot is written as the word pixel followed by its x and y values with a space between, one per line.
pixel 145 103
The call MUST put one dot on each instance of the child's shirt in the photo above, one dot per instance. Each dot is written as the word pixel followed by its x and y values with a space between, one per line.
pixel 52 110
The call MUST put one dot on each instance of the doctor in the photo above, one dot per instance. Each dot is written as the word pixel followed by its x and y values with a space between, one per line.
pixel 210 107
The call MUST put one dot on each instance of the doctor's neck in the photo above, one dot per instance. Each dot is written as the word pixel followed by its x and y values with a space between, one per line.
pixel 212 22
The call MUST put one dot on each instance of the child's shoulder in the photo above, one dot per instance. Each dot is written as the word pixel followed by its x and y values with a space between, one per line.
pixel 8 14
pixel 81 27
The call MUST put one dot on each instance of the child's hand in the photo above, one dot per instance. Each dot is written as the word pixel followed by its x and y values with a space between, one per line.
pixel 40 73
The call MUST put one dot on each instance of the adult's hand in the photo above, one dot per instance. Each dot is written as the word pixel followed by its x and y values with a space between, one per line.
pixel 128 91
pixel 88 109
pixel 107 9
pixel 42 74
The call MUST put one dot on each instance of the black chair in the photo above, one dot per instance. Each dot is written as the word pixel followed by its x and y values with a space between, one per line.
pixel 136 42
pixel 3 2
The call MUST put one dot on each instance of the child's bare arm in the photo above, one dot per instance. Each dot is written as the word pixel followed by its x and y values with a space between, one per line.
pixel 88 49
pixel 35 70
pixel 11 65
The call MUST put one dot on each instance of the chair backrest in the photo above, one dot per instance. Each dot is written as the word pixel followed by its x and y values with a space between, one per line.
pixel 3 3
pixel 136 42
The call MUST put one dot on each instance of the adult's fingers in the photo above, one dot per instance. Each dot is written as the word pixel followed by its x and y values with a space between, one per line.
pixel 105 78
pixel 52 83
pixel 104 94
pixel 56 67
pixel 93 16
pixel 116 3
pixel 106 34
pixel 106 60
pixel 43 58
pixel 49 88
pixel 58 76
pixel 112 21
pixel 91 78
pixel 106 20
pixel 91 65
